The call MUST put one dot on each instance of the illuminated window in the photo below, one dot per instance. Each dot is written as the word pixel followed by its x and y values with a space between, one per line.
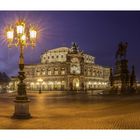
pixel 63 71
pixel 55 71
pixel 43 71
pixel 93 73
pixel 49 72
pixel 38 72
pixel 89 72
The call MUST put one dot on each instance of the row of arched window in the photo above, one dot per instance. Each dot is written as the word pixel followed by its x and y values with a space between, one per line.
pixel 62 71
pixel 93 72
pixel 51 71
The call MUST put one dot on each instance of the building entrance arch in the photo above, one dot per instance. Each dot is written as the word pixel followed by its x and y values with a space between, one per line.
pixel 76 84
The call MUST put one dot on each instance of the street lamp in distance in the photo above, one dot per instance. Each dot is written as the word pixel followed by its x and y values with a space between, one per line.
pixel 40 81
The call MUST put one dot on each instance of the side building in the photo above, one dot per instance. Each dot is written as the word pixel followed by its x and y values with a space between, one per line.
pixel 66 68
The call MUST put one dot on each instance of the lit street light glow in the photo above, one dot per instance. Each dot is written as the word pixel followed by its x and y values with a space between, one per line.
pixel 33 34
pixel 10 35
pixel 23 37
pixel 20 27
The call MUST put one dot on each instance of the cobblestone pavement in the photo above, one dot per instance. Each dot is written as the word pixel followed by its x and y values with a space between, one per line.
pixel 73 112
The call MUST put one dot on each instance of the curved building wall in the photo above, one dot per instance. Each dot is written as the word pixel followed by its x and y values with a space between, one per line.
pixel 66 69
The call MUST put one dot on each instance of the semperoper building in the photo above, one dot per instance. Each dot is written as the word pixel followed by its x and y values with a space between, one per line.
pixel 67 69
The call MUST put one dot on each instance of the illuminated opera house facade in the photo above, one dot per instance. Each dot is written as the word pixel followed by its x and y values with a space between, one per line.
pixel 66 68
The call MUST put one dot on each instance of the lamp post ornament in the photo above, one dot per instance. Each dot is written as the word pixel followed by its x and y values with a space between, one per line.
pixel 21 35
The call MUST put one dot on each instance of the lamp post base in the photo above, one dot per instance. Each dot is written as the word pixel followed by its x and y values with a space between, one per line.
pixel 21 109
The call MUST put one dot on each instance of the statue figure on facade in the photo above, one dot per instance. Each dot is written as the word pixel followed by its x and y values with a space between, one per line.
pixel 74 48
pixel 122 49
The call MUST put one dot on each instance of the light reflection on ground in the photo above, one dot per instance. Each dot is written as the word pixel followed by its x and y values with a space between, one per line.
pixel 74 112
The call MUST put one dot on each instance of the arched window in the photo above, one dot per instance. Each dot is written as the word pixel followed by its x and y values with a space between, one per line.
pixel 37 72
pixel 63 71
pixel 63 85
pixel 43 71
pixel 49 72
pixel 93 73
pixel 89 72
pixel 55 71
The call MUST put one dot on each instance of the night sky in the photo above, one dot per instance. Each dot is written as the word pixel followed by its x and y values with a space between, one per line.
pixel 97 33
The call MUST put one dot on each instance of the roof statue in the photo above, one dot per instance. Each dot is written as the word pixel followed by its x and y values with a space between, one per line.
pixel 74 48
pixel 122 49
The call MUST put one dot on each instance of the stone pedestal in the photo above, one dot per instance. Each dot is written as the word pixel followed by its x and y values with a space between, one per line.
pixel 21 109
pixel 121 76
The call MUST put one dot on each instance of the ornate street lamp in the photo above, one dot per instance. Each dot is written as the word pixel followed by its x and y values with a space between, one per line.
pixel 21 35
pixel 40 81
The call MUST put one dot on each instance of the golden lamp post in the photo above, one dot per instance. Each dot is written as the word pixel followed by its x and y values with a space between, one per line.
pixel 21 35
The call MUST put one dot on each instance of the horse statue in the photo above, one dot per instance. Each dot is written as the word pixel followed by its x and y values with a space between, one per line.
pixel 122 49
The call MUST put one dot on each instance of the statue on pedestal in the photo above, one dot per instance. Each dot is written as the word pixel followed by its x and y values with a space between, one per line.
pixel 122 49
pixel 122 80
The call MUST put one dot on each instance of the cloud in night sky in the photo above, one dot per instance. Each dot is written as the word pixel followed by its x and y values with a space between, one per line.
pixel 97 33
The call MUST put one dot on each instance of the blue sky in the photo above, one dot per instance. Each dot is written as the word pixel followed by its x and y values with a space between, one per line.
pixel 96 32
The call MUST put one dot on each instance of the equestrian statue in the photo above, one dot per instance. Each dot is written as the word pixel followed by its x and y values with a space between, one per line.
pixel 122 49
